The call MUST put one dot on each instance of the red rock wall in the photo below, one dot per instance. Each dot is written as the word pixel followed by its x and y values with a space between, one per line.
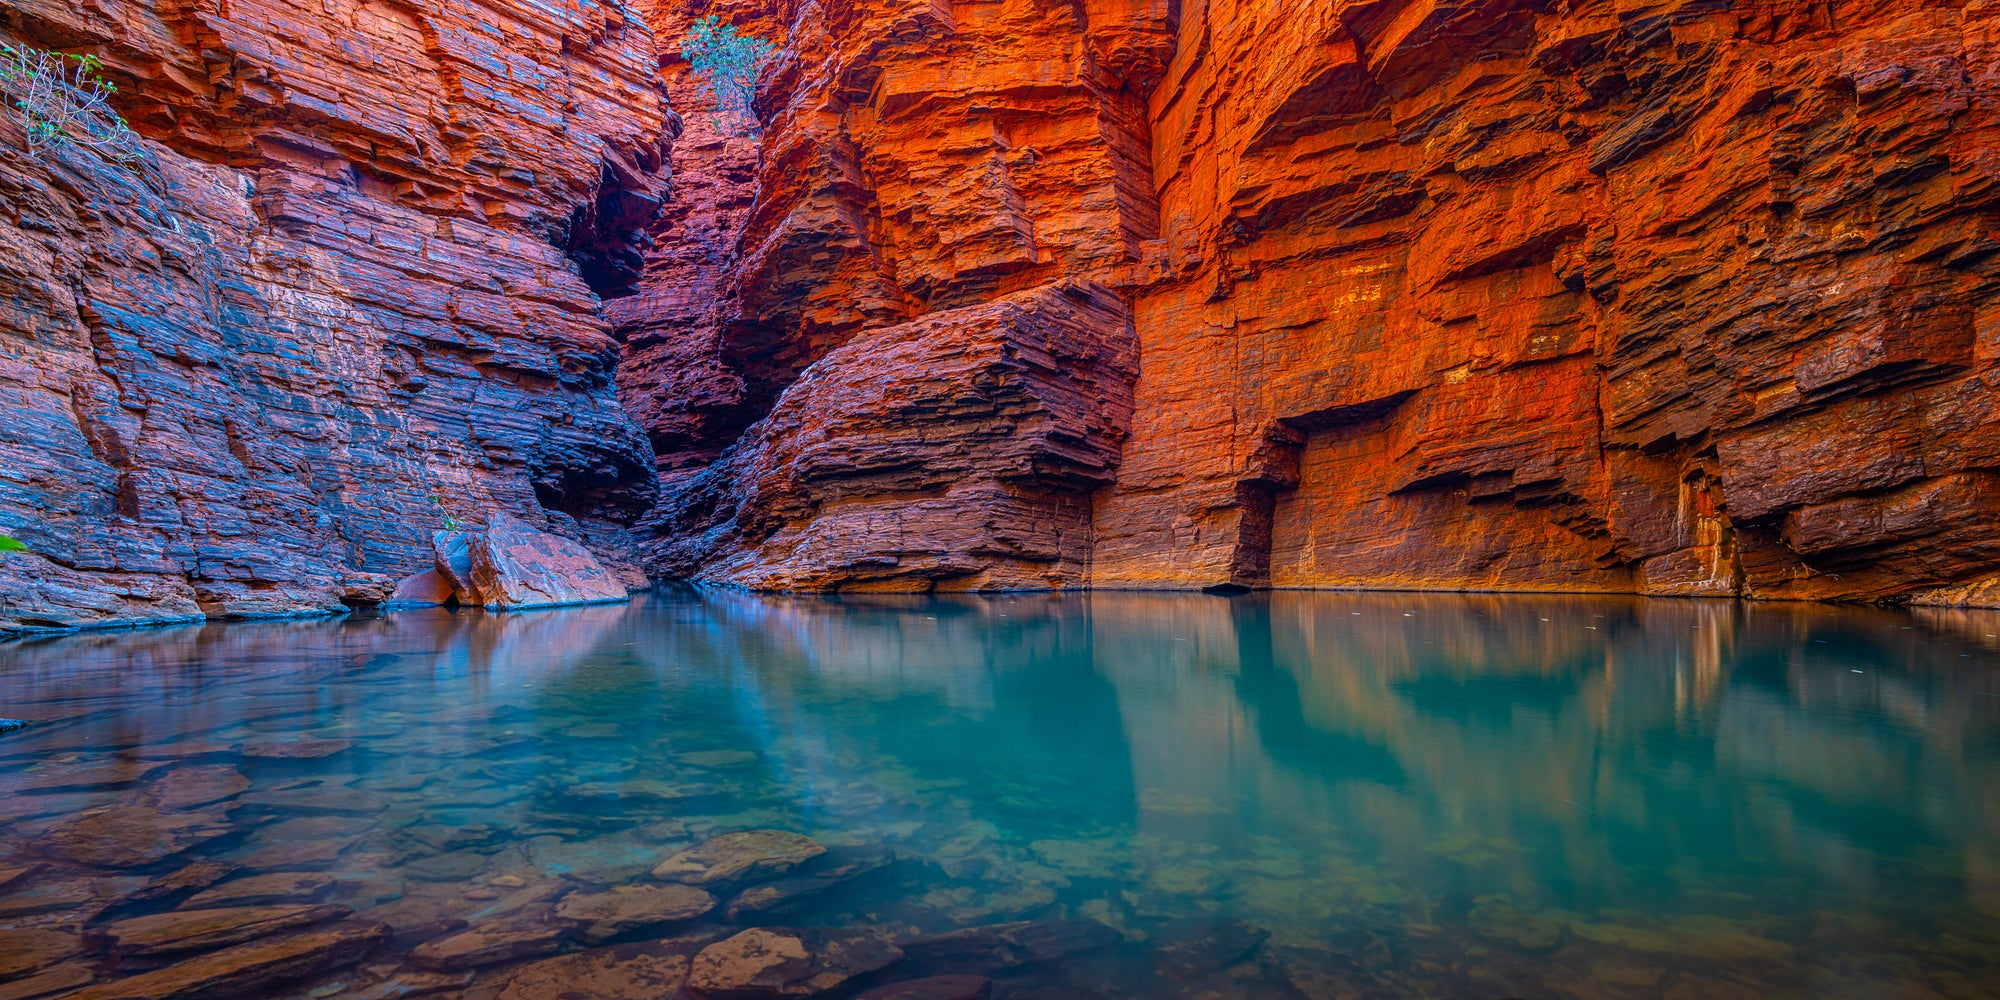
pixel 1678 297
pixel 922 303
pixel 349 276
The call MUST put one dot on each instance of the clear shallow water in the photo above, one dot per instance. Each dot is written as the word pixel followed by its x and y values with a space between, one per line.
pixel 1286 795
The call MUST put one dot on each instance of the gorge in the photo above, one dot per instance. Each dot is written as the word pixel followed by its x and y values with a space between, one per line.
pixel 1672 298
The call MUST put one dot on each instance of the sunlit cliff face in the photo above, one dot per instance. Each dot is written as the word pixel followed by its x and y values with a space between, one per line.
pixel 1678 298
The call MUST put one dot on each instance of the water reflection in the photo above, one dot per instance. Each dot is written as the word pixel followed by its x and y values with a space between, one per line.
pixel 1412 794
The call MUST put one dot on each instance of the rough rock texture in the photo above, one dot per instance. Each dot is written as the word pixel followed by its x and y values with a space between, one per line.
pixel 349 278
pixel 765 964
pixel 672 376
pixel 920 304
pixel 1678 297
pixel 509 565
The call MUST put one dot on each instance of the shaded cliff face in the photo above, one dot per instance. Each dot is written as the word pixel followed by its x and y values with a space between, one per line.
pixel 1672 298
pixel 921 301
pixel 348 278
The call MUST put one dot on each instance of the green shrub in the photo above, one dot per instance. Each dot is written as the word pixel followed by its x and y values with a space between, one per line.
pixel 64 100
pixel 727 62
pixel 11 544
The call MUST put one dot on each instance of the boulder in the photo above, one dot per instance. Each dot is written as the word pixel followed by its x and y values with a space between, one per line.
pixel 454 564
pixel 509 565
pixel 516 566
pixel 427 589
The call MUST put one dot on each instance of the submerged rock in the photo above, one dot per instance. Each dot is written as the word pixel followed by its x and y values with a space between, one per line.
pixel 488 945
pixel 837 868
pixel 25 950
pixel 1500 921
pixel 1196 949
pixel 52 982
pixel 78 777
pixel 188 878
pixel 766 963
pixel 739 857
pixel 622 972
pixel 262 890
pixel 188 787
pixel 297 749
pixel 192 930
pixel 1004 946
pixel 130 836
pixel 249 967
pixel 606 915
pixel 934 988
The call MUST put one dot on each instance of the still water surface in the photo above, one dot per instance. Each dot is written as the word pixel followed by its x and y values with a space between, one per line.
pixel 1284 795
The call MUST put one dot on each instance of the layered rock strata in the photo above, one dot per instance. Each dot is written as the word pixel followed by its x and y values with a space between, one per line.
pixel 1670 298
pixel 508 565
pixel 923 303
pixel 345 289
pixel 1676 298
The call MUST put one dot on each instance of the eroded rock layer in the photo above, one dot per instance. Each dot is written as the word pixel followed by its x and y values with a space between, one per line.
pixel 923 302
pixel 347 279
pixel 1683 298
pixel 1678 297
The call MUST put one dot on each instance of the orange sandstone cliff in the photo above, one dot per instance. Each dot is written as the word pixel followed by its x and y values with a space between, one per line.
pixel 1689 297
pixel 1678 297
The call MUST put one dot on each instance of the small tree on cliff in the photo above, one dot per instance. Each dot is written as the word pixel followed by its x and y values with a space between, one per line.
pixel 64 100
pixel 727 62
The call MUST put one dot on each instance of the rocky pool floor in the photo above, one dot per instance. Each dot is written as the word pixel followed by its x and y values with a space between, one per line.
pixel 1282 795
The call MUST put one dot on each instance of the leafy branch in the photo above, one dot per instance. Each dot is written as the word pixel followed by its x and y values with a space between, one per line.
pixel 64 100
pixel 726 62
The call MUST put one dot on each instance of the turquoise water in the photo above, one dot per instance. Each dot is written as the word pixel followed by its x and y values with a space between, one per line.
pixel 1283 795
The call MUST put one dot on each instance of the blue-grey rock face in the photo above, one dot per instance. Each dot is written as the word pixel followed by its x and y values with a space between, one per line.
pixel 236 376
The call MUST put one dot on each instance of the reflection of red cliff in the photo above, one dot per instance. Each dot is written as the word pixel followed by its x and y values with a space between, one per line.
pixel 1484 293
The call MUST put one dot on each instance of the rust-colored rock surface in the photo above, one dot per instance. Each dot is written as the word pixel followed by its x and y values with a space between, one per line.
pixel 1683 297
pixel 921 302
pixel 507 565
pixel 349 278
pixel 1671 298
pixel 1677 298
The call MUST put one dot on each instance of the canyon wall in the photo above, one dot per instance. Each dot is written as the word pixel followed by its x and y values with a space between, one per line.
pixel 1680 297
pixel 920 307
pixel 1676 297
pixel 350 292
